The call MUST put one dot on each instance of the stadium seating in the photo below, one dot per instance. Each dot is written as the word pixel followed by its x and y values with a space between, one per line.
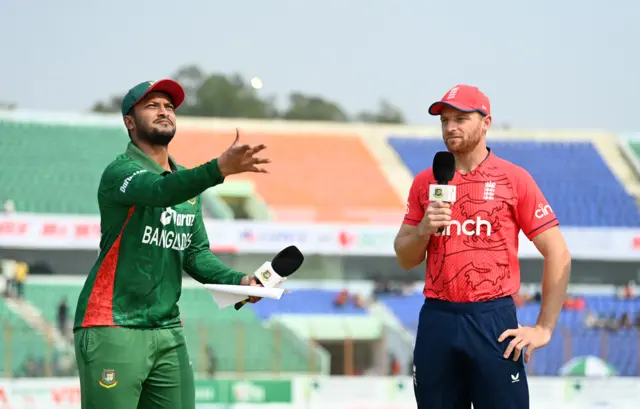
pixel 313 177
pixel 306 302
pixel 406 308
pixel 55 168
pixel 238 338
pixel 620 348
pixel 47 298
pixel 233 335
pixel 18 342
pixel 577 182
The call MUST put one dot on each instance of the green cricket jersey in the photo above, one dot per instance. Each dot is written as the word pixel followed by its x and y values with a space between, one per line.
pixel 152 230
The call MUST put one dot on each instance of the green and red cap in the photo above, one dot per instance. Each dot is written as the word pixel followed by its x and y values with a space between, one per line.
pixel 465 98
pixel 168 86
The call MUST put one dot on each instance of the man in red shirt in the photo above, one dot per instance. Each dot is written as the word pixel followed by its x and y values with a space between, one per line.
pixel 469 344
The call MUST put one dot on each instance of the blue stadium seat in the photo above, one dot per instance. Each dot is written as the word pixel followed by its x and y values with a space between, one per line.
pixel 306 302
pixel 574 177
pixel 406 308
pixel 620 348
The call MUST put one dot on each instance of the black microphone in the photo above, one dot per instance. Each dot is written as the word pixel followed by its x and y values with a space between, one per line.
pixel 270 274
pixel 444 169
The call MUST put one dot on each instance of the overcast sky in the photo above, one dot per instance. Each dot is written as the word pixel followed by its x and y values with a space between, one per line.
pixel 543 63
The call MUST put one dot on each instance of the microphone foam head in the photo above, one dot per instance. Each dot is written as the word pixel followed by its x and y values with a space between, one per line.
pixel 444 167
pixel 287 261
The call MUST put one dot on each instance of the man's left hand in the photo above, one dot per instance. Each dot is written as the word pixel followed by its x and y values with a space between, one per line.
pixel 251 280
pixel 530 338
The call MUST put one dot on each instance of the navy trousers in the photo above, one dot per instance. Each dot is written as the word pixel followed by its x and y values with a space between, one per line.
pixel 458 360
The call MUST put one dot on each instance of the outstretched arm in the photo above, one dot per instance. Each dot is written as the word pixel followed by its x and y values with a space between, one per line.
pixel 132 185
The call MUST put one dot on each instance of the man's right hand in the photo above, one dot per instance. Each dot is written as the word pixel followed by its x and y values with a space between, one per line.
pixel 437 215
pixel 240 158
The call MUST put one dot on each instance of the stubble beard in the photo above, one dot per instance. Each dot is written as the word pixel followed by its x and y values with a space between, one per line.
pixel 465 145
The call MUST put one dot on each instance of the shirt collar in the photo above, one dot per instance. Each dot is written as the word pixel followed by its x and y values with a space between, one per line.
pixel 487 160
pixel 149 164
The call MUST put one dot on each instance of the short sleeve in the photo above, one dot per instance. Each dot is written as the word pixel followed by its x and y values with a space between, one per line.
pixel 414 212
pixel 533 211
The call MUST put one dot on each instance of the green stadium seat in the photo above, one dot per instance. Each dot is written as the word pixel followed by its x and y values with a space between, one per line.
pixel 240 339
pixel 17 342
pixel 55 168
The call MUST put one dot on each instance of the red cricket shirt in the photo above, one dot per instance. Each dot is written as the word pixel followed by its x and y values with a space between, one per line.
pixel 476 257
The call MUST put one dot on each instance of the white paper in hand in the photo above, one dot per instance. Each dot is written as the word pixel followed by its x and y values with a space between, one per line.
pixel 226 295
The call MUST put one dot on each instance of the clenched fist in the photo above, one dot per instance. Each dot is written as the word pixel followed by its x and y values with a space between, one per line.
pixel 438 215
pixel 252 281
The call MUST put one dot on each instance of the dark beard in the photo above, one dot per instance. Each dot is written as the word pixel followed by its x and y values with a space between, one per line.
pixel 156 137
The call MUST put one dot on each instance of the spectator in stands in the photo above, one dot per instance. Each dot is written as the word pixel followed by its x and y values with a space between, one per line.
pixel 574 304
pixel 63 316
pixel 9 274
pixel 381 287
pixel 625 321
pixel 395 366
pixel 612 323
pixel 22 270
pixel 629 291
pixel 359 301
pixel 8 207
pixel 212 362
pixel 341 299
pixel 537 297
pixel 591 320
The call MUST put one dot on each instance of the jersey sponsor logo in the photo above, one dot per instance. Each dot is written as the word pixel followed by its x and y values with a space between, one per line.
pixel 466 228
pixel 169 239
pixel 178 219
pixel 166 239
pixel 542 211
pixel 123 188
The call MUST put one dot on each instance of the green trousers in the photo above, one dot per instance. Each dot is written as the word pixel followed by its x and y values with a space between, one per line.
pixel 124 368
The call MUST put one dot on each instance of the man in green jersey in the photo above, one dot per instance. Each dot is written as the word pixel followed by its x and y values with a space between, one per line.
pixel 129 342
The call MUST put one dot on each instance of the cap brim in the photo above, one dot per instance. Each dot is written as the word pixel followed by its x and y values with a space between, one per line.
pixel 436 108
pixel 171 88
